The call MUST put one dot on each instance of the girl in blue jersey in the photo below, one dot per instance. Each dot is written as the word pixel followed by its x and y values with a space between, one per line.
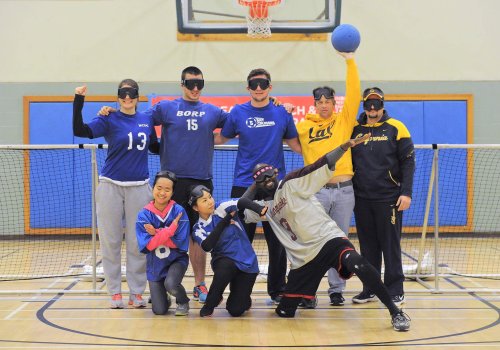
pixel 165 240
pixel 123 186
pixel 234 262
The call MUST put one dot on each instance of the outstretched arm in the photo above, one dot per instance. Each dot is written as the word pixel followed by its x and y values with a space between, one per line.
pixel 333 156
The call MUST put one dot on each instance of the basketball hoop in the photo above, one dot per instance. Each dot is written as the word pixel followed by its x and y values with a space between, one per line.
pixel 258 20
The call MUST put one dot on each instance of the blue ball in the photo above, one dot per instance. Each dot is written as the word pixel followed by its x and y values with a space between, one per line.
pixel 345 38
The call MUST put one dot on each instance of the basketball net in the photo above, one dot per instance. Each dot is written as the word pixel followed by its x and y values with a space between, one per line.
pixel 258 20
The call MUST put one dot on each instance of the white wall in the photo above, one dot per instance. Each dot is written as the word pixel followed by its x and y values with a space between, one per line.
pixel 107 40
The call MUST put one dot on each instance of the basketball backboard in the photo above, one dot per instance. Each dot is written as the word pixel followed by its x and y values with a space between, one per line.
pixel 230 17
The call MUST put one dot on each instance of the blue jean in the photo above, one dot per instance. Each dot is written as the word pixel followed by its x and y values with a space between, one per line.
pixel 339 205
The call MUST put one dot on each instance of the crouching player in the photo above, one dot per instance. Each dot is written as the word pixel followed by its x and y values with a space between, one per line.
pixel 162 231
pixel 313 241
pixel 234 262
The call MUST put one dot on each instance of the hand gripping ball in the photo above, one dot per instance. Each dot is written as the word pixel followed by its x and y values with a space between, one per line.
pixel 345 38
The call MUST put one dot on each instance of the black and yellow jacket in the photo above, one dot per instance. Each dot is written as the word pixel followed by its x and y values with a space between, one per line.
pixel 384 164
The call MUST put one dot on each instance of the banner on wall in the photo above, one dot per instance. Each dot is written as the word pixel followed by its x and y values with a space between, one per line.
pixel 303 104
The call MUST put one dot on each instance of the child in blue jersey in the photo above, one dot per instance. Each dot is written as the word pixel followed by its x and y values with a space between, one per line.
pixel 123 186
pixel 262 128
pixel 234 262
pixel 163 234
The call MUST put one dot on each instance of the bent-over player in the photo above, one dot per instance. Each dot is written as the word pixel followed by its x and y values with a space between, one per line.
pixel 312 240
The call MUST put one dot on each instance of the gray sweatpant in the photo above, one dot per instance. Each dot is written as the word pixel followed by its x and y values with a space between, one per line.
pixel 339 205
pixel 114 204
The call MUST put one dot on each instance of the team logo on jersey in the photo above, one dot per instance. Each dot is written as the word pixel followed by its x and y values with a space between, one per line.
pixel 374 138
pixel 321 134
pixel 195 114
pixel 256 122
pixel 278 206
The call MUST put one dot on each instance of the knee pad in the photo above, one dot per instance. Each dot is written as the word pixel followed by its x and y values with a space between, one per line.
pixel 355 262
pixel 235 312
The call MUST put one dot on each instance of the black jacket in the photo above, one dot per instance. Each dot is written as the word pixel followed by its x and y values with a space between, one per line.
pixel 385 164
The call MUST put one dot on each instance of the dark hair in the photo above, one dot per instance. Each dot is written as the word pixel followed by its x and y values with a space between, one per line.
pixel 167 175
pixel 258 71
pixel 190 70
pixel 129 82
pixel 195 193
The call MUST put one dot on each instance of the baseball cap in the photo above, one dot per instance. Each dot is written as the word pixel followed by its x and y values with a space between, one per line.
pixel 373 91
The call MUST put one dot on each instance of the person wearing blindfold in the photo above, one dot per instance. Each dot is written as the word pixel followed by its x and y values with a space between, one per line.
pixel 321 132
pixel 261 127
pixel 313 241
pixel 220 231
pixel 187 132
pixel 384 167
pixel 123 186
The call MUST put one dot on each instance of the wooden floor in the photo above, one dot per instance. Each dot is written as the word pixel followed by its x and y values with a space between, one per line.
pixel 73 321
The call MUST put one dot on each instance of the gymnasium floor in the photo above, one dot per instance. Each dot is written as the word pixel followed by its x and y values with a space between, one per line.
pixel 82 321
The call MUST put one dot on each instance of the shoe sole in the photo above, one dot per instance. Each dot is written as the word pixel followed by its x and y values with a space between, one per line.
pixel 363 301
pixel 337 304
pixel 401 330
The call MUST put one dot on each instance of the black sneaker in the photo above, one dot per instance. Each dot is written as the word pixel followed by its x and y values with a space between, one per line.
pixel 276 300
pixel 336 299
pixel 399 299
pixel 363 297
pixel 401 321
pixel 308 303
pixel 206 311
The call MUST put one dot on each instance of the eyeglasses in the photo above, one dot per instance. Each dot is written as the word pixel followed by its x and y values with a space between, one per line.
pixel 190 84
pixel 328 93
pixel 264 173
pixel 263 83
pixel 196 192
pixel 130 91
pixel 374 104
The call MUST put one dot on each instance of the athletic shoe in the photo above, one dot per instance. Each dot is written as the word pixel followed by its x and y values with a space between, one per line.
pixel 182 309
pixel 308 303
pixel 399 299
pixel 200 292
pixel 276 300
pixel 206 311
pixel 401 321
pixel 136 301
pixel 336 299
pixel 117 301
pixel 363 297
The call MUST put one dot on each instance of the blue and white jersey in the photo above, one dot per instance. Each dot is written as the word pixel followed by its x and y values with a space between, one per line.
pixel 261 132
pixel 128 141
pixel 233 242
pixel 159 260
pixel 187 140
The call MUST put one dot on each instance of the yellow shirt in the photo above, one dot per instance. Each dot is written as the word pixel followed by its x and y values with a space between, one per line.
pixel 319 136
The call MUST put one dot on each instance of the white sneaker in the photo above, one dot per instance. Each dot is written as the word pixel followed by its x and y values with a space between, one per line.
pixel 399 300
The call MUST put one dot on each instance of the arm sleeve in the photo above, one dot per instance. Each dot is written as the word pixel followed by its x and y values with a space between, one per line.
pixel 406 154
pixel 353 93
pixel 80 129
pixel 163 237
pixel 154 145
pixel 245 203
pixel 209 243
pixel 333 156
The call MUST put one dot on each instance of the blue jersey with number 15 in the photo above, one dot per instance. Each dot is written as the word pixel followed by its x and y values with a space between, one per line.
pixel 187 140
pixel 128 141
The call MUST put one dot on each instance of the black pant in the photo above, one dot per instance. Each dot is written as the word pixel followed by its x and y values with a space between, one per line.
pixel 182 190
pixel 240 286
pixel 379 227
pixel 276 272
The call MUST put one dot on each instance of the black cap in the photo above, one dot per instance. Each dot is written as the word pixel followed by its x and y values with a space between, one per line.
pixel 373 91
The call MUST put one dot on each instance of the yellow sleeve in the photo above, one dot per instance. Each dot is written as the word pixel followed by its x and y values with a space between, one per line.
pixel 353 94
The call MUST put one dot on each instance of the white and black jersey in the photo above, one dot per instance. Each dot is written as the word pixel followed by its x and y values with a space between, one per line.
pixel 297 217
